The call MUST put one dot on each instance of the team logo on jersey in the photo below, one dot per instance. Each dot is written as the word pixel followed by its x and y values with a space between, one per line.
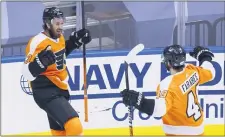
pixel 60 59
pixel 189 83
pixel 28 58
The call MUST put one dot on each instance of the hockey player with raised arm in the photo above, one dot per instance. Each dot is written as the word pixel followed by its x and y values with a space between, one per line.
pixel 177 95
pixel 45 69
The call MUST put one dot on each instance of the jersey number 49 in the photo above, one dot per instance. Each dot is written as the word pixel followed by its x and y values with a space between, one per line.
pixel 193 109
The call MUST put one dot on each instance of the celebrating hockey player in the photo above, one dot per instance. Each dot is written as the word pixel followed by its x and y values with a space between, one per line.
pixel 177 95
pixel 45 68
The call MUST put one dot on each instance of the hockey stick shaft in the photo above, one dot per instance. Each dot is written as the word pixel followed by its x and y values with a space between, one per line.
pixel 131 55
pixel 84 68
pixel 129 107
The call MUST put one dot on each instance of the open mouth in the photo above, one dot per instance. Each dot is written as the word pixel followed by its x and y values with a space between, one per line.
pixel 59 31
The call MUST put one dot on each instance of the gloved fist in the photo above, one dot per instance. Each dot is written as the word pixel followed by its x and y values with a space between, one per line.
pixel 202 54
pixel 132 98
pixel 80 37
pixel 45 58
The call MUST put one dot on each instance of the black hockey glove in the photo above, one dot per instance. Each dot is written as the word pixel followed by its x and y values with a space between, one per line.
pixel 80 37
pixel 202 54
pixel 132 98
pixel 137 99
pixel 46 57
pixel 43 59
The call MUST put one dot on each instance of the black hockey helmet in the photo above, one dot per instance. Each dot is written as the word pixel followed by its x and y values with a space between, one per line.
pixel 175 55
pixel 51 13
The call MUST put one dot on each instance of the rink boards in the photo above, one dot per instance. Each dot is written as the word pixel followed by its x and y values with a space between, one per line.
pixel 105 75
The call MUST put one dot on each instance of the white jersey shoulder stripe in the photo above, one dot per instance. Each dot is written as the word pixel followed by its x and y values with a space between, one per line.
pixel 160 103
pixel 36 40
pixel 165 83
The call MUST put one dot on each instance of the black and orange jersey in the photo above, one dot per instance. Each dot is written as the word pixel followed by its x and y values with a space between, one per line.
pixel 57 72
pixel 177 100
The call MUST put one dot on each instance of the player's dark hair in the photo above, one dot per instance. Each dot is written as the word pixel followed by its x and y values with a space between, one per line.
pixel 44 26
pixel 178 68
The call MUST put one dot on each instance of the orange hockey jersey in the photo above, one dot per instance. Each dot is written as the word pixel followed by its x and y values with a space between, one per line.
pixel 57 72
pixel 177 100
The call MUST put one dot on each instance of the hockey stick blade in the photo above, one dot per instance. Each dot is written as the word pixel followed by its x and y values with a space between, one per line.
pixel 133 53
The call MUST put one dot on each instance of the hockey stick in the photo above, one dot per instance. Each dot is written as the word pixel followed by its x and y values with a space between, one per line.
pixel 84 68
pixel 131 55
pixel 129 107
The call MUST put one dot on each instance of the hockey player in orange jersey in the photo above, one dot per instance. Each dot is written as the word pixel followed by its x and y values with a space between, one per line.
pixel 45 68
pixel 177 95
